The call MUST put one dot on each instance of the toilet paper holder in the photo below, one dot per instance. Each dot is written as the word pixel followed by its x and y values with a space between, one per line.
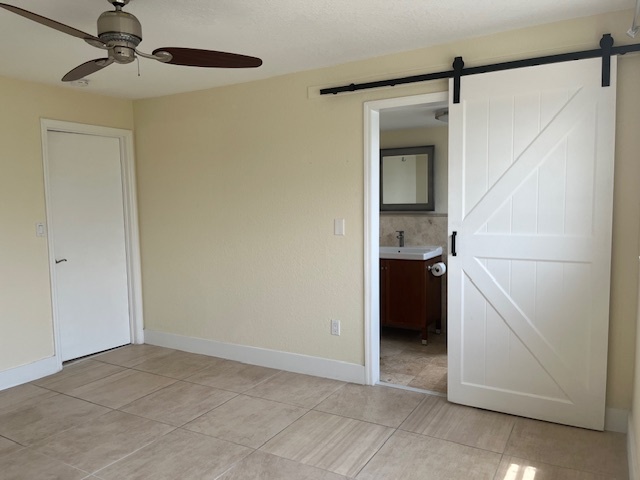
pixel 437 269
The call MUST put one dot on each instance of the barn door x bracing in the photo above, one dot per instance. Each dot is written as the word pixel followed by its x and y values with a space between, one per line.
pixel 530 197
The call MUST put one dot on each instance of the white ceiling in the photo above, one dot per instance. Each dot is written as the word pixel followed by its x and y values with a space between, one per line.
pixel 289 35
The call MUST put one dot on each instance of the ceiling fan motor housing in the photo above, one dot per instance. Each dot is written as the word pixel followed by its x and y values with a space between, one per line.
pixel 122 33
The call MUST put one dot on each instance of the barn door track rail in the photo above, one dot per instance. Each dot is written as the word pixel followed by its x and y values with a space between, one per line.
pixel 606 50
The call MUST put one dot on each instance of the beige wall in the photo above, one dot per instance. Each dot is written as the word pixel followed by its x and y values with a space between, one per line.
pixel 239 186
pixel 26 333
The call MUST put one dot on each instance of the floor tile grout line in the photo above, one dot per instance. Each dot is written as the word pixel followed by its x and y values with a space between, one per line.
pixel 217 438
pixel 495 475
pixel 234 465
pixel 506 445
pixel 66 429
pixel 41 385
pixel 84 384
pixel 95 472
pixel 35 450
pixel 315 409
pixel 207 412
pixel 375 453
pixel 227 390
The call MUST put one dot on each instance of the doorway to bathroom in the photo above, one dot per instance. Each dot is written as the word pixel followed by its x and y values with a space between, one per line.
pixel 411 294
pixel 530 213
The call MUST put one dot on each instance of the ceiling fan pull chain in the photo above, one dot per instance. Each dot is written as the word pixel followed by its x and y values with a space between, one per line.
pixel 138 60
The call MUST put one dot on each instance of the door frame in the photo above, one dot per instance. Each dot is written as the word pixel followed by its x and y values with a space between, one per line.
pixel 132 241
pixel 372 222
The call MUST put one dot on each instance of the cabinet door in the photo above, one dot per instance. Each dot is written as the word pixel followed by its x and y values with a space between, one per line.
pixel 406 294
pixel 384 291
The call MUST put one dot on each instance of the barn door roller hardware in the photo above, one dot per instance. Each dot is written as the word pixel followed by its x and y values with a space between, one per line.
pixel 605 52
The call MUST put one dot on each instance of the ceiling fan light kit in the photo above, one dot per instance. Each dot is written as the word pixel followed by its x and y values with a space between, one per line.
pixel 120 33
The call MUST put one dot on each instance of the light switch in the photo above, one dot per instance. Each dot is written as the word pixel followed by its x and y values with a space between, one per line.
pixel 338 226
pixel 40 230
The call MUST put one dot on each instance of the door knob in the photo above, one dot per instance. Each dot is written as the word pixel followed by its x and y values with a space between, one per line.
pixel 61 260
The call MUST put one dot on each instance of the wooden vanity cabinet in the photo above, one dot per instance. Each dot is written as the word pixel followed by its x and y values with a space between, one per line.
pixel 410 296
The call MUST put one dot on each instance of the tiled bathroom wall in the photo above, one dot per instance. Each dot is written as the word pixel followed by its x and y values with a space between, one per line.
pixel 418 229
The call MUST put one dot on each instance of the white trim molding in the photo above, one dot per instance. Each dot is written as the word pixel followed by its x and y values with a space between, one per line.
pixel 132 236
pixel 29 372
pixel 372 222
pixel 632 451
pixel 290 362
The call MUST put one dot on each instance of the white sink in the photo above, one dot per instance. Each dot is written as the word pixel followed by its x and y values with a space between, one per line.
pixel 425 252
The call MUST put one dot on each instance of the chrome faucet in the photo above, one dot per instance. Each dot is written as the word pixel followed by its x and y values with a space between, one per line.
pixel 400 237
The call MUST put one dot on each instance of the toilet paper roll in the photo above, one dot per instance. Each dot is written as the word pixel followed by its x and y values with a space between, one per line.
pixel 438 269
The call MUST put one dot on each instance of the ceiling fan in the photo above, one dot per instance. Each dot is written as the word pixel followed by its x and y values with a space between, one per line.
pixel 120 33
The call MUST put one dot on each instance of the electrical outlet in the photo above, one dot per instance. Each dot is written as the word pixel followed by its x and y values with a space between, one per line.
pixel 335 327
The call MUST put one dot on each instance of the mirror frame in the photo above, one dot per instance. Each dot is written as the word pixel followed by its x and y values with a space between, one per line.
pixel 410 207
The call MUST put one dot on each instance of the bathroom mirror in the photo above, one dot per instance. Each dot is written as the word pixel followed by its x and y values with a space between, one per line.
pixel 406 179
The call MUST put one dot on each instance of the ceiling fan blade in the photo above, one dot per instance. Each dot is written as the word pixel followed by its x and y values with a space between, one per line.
pixel 61 27
pixel 194 57
pixel 87 68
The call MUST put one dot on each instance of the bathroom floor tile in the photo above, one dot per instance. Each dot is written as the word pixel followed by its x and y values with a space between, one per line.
pixel 432 377
pixel 404 360
pixel 263 466
pixel 179 403
pixel 517 468
pixel 30 465
pixel 382 405
pixel 178 455
pixel 437 345
pixel 132 355
pixel 396 378
pixel 235 376
pixel 389 349
pixel 406 363
pixel 569 447
pixel 296 389
pixel 77 375
pixel 121 388
pixel 177 364
pixel 22 396
pixel 102 441
pixel 37 421
pixel 246 420
pixel 408 456
pixel 340 445
pixel 436 417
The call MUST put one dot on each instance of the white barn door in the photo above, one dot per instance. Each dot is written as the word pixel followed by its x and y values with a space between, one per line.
pixel 530 197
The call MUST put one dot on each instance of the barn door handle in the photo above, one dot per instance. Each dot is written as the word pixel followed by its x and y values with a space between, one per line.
pixel 61 260
pixel 453 243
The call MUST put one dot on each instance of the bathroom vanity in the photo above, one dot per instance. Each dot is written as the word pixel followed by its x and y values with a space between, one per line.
pixel 410 295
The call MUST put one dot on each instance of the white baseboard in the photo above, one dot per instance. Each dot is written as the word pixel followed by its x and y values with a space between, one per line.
pixel 616 420
pixel 28 373
pixel 632 451
pixel 291 362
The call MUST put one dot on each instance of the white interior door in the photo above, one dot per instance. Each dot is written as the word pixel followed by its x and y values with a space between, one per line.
pixel 88 235
pixel 530 197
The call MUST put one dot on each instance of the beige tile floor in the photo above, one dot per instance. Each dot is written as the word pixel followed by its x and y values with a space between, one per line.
pixel 144 412
pixel 404 360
